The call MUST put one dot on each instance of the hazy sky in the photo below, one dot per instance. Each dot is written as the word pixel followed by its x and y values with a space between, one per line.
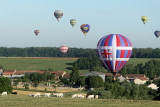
pixel 19 19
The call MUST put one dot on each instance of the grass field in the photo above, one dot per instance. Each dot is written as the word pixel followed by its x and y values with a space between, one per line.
pixel 25 101
pixel 43 63
pixel 35 63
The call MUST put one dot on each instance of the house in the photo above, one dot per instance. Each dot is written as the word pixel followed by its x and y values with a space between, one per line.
pixel 8 73
pixel 18 74
pixel 153 86
pixel 102 75
pixel 137 78
pixel 58 74
pixel 67 76
pixel 122 78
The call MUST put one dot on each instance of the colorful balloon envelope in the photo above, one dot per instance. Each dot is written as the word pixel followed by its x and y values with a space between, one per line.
pixel 73 22
pixel 36 32
pixel 85 28
pixel 114 51
pixel 58 14
pixel 144 19
pixel 64 48
pixel 157 33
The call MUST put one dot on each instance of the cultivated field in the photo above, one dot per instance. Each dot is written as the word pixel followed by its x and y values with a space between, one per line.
pixel 25 101
pixel 43 63
pixel 37 63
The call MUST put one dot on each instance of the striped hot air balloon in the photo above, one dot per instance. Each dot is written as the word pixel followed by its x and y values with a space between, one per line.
pixel 73 22
pixel 85 28
pixel 36 32
pixel 64 48
pixel 114 51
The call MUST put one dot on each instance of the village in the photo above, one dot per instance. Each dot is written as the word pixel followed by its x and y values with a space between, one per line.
pixel 138 79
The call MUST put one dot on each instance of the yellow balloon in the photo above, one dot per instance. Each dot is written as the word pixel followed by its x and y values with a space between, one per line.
pixel 144 19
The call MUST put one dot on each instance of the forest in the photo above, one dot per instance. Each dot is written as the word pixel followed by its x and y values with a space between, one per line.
pixel 72 52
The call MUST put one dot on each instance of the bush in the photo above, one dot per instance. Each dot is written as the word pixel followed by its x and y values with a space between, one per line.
pixel 101 93
pixel 94 82
pixel 5 85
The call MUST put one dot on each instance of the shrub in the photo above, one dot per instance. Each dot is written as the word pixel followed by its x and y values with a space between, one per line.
pixel 101 93
pixel 5 85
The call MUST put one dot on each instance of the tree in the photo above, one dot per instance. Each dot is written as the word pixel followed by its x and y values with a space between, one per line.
pixel 5 85
pixel 26 85
pixel 35 84
pixel 15 83
pixel 94 82
pixel 74 74
pixel 81 81
pixel 55 87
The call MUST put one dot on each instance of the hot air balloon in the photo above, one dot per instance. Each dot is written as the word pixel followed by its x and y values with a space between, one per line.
pixel 144 19
pixel 85 28
pixel 58 14
pixel 157 33
pixel 36 32
pixel 73 22
pixel 64 48
pixel 114 51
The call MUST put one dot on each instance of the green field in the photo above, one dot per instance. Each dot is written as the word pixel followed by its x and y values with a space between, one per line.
pixel 25 101
pixel 43 63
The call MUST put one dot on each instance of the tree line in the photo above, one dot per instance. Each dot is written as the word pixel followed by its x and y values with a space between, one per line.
pixel 151 68
pixel 72 52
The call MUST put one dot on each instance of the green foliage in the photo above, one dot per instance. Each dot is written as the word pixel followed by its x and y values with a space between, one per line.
pixel 94 81
pixel 101 93
pixel 5 85
pixel 74 75
pixel 129 90
pixel 35 84
pixel 91 63
pixel 81 81
pixel 15 82
pixel 26 85
pixel 46 76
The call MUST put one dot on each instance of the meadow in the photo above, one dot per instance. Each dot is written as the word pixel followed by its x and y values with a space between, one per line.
pixel 55 63
pixel 25 101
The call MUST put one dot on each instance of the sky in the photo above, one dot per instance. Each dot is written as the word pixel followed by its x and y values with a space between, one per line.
pixel 19 19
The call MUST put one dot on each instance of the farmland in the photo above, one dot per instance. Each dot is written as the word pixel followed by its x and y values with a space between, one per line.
pixel 55 63
pixel 21 100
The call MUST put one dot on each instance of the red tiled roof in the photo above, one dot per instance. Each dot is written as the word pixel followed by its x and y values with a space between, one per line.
pixel 135 75
pixel 142 78
pixel 59 73
pixel 110 74
pixel 8 72
pixel 53 72
pixel 19 72
pixel 41 72
pixel 66 76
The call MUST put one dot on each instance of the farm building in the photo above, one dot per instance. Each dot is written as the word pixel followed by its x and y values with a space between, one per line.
pixel 137 78
pixel 58 74
pixel 8 73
